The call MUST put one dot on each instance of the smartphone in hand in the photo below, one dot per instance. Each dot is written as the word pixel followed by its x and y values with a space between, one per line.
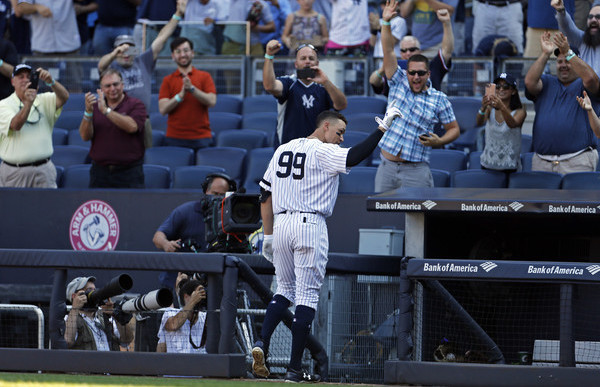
pixel 305 73
pixel 34 78
pixel 424 137
pixel 490 89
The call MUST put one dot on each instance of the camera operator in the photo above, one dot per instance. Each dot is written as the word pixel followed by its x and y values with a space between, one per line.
pixel 182 330
pixel 89 327
pixel 183 230
pixel 26 122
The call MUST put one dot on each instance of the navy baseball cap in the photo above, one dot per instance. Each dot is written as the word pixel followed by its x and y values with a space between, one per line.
pixel 21 67
pixel 507 78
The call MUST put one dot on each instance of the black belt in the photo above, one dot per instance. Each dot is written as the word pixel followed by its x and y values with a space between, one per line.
pixel 34 164
pixel 301 212
pixel 118 167
pixel 499 3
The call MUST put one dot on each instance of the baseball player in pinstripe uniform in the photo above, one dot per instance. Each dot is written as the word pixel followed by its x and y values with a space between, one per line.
pixel 298 191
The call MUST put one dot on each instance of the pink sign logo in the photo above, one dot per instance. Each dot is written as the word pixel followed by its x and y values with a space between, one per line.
pixel 94 226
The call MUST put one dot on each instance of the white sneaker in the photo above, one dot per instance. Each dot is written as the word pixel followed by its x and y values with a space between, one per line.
pixel 390 115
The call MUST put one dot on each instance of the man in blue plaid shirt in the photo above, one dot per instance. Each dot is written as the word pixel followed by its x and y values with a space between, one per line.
pixel 405 147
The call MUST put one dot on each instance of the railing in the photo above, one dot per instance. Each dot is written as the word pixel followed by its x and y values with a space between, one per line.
pixel 6 309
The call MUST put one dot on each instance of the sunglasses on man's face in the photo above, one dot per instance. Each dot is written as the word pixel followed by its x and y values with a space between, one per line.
pixel 596 16
pixel 300 47
pixel 420 73
pixel 411 49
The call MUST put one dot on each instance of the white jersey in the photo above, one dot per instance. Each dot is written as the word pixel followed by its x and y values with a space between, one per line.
pixel 303 176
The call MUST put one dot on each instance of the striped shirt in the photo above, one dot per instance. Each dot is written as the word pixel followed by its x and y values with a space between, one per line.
pixel 420 112
pixel 303 174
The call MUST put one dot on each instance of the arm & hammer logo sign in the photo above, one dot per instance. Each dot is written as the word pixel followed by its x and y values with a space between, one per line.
pixel 94 226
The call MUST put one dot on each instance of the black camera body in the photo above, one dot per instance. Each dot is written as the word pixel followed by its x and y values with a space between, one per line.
pixel 34 78
pixel 229 220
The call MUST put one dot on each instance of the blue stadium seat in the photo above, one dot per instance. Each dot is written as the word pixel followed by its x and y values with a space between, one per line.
pixel 220 121
pixel 75 139
pixel 258 103
pixel 192 177
pixel 153 104
pixel 59 136
pixel 227 103
pixel 258 161
pixel 360 104
pixel 157 176
pixel 76 102
pixel 526 143
pixel 465 110
pixel 158 138
pixel 263 121
pixel 526 161
pixel 158 121
pixel 440 178
pixel 447 160
pixel 581 180
pixel 478 178
pixel 359 180
pixel 69 120
pixel 534 179
pixel 65 155
pixel 169 156
pixel 361 122
pixel 60 171
pixel 76 176
pixel 353 138
pixel 244 138
pixel 229 158
pixel 475 160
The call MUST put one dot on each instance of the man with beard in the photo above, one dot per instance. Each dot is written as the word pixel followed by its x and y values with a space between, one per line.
pixel 563 140
pixel 588 41
pixel 185 95
pixel 405 147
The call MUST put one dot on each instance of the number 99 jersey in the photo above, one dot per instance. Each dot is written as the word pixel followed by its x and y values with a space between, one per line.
pixel 303 176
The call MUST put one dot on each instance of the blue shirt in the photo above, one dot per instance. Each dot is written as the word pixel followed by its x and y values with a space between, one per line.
pixel 298 108
pixel 185 222
pixel 420 112
pixel 561 126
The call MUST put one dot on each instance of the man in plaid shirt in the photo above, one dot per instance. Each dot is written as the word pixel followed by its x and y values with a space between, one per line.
pixel 405 147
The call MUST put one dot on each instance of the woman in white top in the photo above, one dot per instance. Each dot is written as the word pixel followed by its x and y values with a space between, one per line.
pixel 503 115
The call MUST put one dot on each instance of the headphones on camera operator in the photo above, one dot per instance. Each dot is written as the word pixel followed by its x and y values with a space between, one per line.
pixel 212 176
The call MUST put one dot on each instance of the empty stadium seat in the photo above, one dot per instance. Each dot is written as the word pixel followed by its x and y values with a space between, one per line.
pixel 526 161
pixel 158 138
pixel 69 120
pixel 66 155
pixel 361 122
pixel 192 177
pixel 361 104
pixel 76 102
pixel 263 121
pixel 475 160
pixel 158 121
pixel 227 103
pixel 220 121
pixel 245 138
pixel 353 138
pixel 74 138
pixel 359 180
pixel 465 110
pixel 258 161
pixel 229 158
pixel 157 176
pixel 258 103
pixel 478 178
pixel 153 104
pixel 447 160
pixel 60 171
pixel 169 156
pixel 581 180
pixel 76 176
pixel 534 179
pixel 59 136
pixel 440 178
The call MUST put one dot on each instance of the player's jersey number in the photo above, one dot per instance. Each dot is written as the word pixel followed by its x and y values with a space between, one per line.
pixel 292 164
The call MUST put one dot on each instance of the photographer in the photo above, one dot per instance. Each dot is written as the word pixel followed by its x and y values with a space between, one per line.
pixel 89 327
pixel 182 331
pixel 26 122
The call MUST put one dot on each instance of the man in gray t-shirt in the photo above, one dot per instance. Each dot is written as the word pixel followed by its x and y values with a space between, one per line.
pixel 137 69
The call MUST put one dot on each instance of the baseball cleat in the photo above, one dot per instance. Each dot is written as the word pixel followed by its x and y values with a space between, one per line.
pixel 390 115
pixel 293 376
pixel 258 364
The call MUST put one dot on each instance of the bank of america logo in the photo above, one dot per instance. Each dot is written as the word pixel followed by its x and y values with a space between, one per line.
pixel 429 204
pixel 487 266
pixel 516 206
pixel 593 269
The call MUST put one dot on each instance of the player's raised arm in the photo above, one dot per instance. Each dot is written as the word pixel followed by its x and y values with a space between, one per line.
pixel 363 149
